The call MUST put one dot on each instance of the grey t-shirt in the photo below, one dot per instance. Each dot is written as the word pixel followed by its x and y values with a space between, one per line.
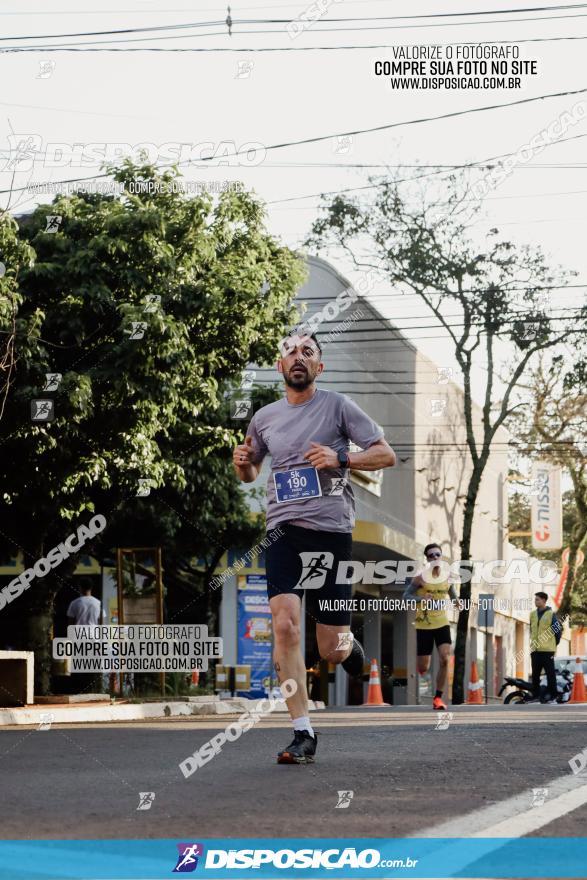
pixel 285 430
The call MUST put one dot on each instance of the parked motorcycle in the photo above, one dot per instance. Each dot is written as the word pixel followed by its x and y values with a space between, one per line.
pixel 523 692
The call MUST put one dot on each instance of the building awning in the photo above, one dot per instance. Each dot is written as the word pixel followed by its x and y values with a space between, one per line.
pixel 383 542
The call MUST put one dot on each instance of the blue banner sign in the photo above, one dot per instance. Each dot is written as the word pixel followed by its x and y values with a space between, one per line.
pixel 289 858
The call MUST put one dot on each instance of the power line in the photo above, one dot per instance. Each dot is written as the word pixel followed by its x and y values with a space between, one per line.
pixel 373 129
pixel 133 30
pixel 64 47
pixel 381 302
pixel 194 163
pixel 573 166
pixel 471 290
pixel 404 335
pixel 404 341
pixel 400 165
pixel 451 24
pixel 315 29
pixel 505 324
pixel 455 14
pixel 381 324
pixel 288 5
pixel 475 325
pixel 233 49
pixel 566 219
pixel 181 26
pixel 479 164
pixel 400 342
pixel 542 195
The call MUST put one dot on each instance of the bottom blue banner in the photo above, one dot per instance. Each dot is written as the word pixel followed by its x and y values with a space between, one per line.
pixel 300 857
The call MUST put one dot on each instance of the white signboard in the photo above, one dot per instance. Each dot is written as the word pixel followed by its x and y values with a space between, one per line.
pixel 547 511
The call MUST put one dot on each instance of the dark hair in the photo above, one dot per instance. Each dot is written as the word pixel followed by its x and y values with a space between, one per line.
pixel 429 547
pixel 542 595
pixel 315 338
pixel 299 332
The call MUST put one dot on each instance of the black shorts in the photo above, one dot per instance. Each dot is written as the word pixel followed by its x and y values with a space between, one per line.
pixel 427 638
pixel 285 570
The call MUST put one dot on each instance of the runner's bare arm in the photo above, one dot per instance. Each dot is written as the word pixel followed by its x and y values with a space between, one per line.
pixel 378 455
pixel 246 470
pixel 248 473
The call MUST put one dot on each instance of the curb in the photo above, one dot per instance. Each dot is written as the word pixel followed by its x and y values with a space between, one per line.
pixel 76 714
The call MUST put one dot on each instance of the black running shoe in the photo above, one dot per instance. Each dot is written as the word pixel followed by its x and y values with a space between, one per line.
pixel 301 750
pixel 355 662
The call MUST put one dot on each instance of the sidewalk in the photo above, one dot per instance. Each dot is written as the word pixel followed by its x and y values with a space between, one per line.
pixel 100 709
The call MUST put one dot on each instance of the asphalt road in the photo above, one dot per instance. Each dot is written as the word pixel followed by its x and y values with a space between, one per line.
pixel 407 777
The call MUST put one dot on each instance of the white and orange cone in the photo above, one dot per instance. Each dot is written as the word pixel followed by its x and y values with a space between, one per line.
pixel 474 696
pixel 578 694
pixel 374 695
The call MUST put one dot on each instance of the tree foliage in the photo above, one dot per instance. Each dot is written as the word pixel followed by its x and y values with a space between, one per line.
pixel 207 289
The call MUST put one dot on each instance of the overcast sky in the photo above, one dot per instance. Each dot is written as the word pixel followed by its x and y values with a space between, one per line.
pixel 159 97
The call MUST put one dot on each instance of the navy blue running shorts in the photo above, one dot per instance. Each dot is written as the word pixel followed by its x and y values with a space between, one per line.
pixel 322 553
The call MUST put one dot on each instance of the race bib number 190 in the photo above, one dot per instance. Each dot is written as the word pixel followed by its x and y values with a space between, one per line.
pixel 297 484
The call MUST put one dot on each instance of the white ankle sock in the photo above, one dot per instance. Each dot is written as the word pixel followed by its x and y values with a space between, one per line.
pixel 303 723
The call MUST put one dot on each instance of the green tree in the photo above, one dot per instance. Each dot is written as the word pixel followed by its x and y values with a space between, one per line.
pixel 199 521
pixel 481 294
pixel 15 254
pixel 147 304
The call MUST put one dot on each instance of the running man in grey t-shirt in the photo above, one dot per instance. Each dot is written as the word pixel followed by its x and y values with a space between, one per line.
pixel 309 496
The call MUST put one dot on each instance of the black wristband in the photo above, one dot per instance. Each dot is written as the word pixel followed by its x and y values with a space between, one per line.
pixel 343 459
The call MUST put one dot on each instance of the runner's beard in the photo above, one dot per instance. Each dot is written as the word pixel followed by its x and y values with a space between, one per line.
pixel 298 382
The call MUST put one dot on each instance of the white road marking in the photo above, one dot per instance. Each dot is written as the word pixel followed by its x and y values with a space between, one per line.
pixel 511 818
pixel 514 817
pixel 538 817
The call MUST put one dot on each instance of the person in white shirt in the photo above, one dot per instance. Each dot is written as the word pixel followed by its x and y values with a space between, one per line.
pixel 84 611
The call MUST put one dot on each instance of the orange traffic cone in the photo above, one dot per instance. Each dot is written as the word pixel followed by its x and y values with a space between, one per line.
pixel 374 695
pixel 474 696
pixel 578 694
